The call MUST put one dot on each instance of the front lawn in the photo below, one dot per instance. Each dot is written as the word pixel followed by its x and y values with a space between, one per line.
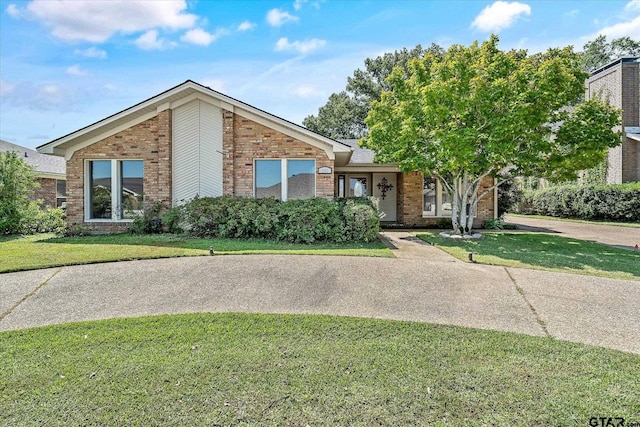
pixel 247 369
pixel 543 251
pixel 45 250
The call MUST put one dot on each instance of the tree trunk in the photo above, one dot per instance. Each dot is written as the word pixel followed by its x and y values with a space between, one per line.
pixel 465 201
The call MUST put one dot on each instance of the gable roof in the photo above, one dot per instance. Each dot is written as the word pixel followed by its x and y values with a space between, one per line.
pixel 45 165
pixel 66 145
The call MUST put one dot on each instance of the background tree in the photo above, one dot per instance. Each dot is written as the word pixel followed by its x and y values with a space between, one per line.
pixel 17 182
pixel 343 116
pixel 479 112
pixel 599 52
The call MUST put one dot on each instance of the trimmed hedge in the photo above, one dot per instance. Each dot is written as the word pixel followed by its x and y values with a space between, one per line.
pixel 295 221
pixel 615 202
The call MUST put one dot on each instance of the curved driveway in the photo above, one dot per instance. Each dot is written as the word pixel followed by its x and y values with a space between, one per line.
pixel 422 284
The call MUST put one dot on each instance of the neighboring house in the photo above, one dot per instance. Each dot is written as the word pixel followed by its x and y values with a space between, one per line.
pixel 619 84
pixel 50 171
pixel 191 140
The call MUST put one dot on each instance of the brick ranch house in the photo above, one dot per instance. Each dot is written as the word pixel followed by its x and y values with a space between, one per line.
pixel 50 172
pixel 191 140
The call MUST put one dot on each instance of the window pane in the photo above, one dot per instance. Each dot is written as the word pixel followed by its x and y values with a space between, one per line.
pixel 357 187
pixel 447 202
pixel 61 188
pixel 100 189
pixel 301 179
pixel 429 187
pixel 268 178
pixel 132 186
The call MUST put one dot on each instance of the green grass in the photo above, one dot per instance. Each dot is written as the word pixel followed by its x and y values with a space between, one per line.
pixel 245 369
pixel 543 251
pixel 582 221
pixel 45 250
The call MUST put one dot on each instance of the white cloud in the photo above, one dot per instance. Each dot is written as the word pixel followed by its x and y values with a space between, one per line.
pixel 246 26
pixel 97 21
pixel 500 15
pixel 201 37
pixel 622 29
pixel 297 4
pixel 150 41
pixel 13 11
pixel 572 13
pixel 632 5
pixel 306 91
pixel 5 87
pixel 277 17
pixel 75 70
pixel 303 47
pixel 92 52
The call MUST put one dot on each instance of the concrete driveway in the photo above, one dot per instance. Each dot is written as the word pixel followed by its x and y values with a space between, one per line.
pixel 423 284
pixel 623 237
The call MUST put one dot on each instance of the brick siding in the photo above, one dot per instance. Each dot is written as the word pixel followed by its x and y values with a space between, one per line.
pixel 410 201
pixel 45 192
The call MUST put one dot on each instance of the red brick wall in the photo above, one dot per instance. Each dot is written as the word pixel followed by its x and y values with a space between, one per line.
pixel 410 201
pixel 46 192
pixel 248 140
pixel 149 141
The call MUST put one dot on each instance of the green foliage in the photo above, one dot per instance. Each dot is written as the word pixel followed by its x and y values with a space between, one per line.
pixel 599 52
pixel 17 182
pixel 509 194
pixel 597 174
pixel 478 111
pixel 150 221
pixel 36 220
pixel 615 202
pixel 343 116
pixel 296 221
pixel 494 224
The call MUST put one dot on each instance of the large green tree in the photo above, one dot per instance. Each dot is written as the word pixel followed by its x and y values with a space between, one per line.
pixel 17 182
pixel 479 112
pixel 343 116
pixel 599 52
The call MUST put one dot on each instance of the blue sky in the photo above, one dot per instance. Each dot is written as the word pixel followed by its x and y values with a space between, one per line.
pixel 66 64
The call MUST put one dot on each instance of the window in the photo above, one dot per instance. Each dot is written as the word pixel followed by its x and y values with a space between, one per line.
pixel 61 193
pixel 358 187
pixel 114 189
pixel 285 179
pixel 435 199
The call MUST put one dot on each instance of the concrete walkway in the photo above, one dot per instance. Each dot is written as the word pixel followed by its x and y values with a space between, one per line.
pixel 422 284
pixel 624 237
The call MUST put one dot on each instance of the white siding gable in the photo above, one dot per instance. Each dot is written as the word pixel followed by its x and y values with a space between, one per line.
pixel 197 151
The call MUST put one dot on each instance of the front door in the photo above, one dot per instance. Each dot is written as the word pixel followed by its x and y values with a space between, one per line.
pixel 385 189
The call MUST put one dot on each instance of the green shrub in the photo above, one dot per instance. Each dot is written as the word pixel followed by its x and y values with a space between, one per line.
pixel 150 221
pixel 615 202
pixel 36 220
pixel 295 221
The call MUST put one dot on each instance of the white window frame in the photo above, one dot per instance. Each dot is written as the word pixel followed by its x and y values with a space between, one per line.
pixel 116 183
pixel 284 172
pixel 438 206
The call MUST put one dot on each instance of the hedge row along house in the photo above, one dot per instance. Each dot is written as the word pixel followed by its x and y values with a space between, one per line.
pixel 191 140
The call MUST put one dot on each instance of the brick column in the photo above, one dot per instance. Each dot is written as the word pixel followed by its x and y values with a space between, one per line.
pixel 228 182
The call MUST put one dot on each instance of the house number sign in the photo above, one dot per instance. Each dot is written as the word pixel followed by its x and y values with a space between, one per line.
pixel 384 186
pixel 324 170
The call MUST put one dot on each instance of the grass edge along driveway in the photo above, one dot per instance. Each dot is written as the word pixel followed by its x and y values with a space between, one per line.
pixel 256 369
pixel 18 253
pixel 542 251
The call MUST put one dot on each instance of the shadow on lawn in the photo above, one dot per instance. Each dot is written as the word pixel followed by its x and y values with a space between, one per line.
pixel 548 251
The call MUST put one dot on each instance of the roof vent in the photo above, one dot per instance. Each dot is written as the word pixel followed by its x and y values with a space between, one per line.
pixel 25 154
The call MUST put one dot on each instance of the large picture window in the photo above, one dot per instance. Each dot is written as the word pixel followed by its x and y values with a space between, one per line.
pixel 285 179
pixel 435 199
pixel 114 189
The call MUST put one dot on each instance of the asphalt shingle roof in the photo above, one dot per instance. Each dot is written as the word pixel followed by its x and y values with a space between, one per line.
pixel 42 163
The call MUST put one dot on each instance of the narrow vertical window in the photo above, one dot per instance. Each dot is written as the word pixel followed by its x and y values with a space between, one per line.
pixel 301 179
pixel 429 196
pixel 268 178
pixel 61 193
pixel 100 189
pixel 131 188
pixel 340 185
